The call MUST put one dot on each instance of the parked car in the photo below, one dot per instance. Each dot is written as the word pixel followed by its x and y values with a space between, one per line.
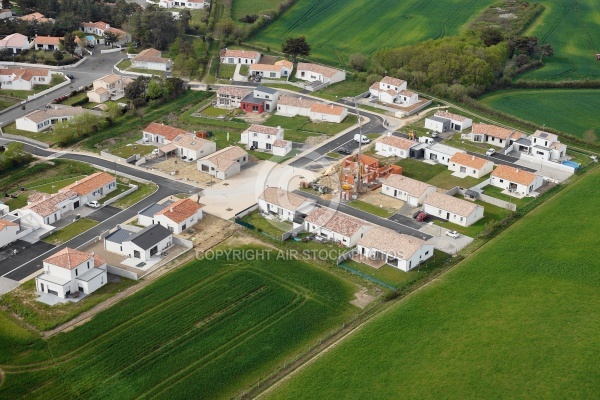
pixel 93 204
pixel 155 151
pixel 452 234
pixel 344 150
pixel 490 152
pixel 361 139
pixel 422 216
pixel 70 76
pixel 367 95
pixel 434 134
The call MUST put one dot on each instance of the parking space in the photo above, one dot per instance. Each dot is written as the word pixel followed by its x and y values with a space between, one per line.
pixel 406 221
pixel 20 252
pixel 104 213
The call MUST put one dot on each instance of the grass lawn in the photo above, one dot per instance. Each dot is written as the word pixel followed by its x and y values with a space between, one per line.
pixel 76 98
pixel 44 136
pixel 457 142
pixel 445 180
pixel 130 149
pixel 271 226
pixel 144 190
pixel 526 302
pixel 193 327
pixel 54 187
pixel 547 107
pixel 335 32
pixel 419 170
pixel 18 202
pixel 22 301
pixel 244 70
pixel 304 124
pixel 348 88
pixel 124 64
pixel 241 8
pixel 147 71
pixel 397 278
pixel 226 71
pixel 371 208
pixel 214 111
pixel 490 213
pixel 291 88
pixel 70 231
pixel 372 109
pixel 497 193
pixel 120 189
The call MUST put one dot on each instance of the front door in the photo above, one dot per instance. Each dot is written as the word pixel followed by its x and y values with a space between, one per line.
pixel 41 287
pixel 76 204
pixel 255 145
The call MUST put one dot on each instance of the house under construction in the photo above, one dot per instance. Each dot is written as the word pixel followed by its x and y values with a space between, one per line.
pixel 361 173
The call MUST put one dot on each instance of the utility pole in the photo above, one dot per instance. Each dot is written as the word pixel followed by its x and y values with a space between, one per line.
pixel 360 136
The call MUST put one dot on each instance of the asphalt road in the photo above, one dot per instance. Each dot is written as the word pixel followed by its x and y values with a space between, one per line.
pixel 397 226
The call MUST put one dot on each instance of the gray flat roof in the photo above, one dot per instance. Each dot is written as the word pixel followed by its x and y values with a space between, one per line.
pixel 541 147
pixel 119 236
pixel 523 141
pixel 266 89
pixel 150 236
pixel 438 119
pixel 154 208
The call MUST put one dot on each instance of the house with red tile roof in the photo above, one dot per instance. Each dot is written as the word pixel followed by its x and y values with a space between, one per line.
pixel 15 43
pixel 176 216
pixel 394 146
pixel 286 205
pixel 336 226
pixel 189 147
pixel 245 57
pixel 290 106
pixel 494 135
pixel 225 163
pixel 24 78
pixel 161 134
pixel 280 69
pixel 40 120
pixel 69 272
pixel 393 91
pixel 261 137
pixel 93 187
pixel 231 96
pixel 36 17
pixel 151 59
pixel 406 189
pixel 395 249
pixel 47 43
pixel 515 181
pixel 100 28
pixel 464 164
pixel 319 73
pixel 452 209
pixel 191 4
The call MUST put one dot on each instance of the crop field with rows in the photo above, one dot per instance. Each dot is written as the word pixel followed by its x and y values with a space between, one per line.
pixel 207 330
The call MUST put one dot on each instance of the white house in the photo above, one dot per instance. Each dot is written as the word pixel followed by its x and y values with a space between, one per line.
pixel 287 205
pixel 190 147
pixel 394 146
pixel 409 190
pixel 191 4
pixel 282 147
pixel 393 91
pixel 46 43
pixel 225 163
pixel 443 121
pixel 230 96
pixel 260 100
pixel 467 165
pixel 24 78
pixel 92 188
pixel 100 28
pixel 43 119
pixel 175 216
pixel 261 137
pixel 515 180
pixel 109 87
pixel 36 17
pixel 281 69
pixel 151 59
pixel 239 56
pixel 71 271
pixel 291 106
pixel 494 135
pixel 10 231
pixel 336 226
pixel 440 153
pixel 546 146
pixel 452 209
pixel 15 43
pixel 161 133
pixel 398 250
pixel 142 245
pixel 319 73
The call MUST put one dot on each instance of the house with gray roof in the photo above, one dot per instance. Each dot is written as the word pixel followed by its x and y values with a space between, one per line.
pixel 142 245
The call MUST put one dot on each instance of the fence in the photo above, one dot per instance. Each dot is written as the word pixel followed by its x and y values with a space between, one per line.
pixel 254 228
pixel 122 272
pixel 247 211
pixel 110 50
pixel 132 188
pixel 129 159
pixel 365 276
pixel 346 256
pixel 485 198
pixel 401 113
pixel 547 163
pixel 291 233
pixel 20 64
pixel 50 90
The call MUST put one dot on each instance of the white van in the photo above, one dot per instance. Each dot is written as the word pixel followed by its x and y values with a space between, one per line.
pixel 358 138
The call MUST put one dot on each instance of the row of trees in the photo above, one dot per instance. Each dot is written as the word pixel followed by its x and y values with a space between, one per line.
pixel 144 89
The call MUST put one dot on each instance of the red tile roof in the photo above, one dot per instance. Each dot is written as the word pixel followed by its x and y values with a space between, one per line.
pixel 166 131
pixel 68 258
pixel 180 210
pixel 496 131
pixel 515 175
pixel 469 161
pixel 90 183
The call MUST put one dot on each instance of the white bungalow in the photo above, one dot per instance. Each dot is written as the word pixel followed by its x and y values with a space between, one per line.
pixel 24 78
pixel 43 119
pixel 287 205
pixel 175 216
pixel 494 135
pixel 15 43
pixel 319 73
pixel 225 163
pixel 467 165
pixel 246 57
pixel 515 180
pixel 336 226
pixel 394 146
pixel 151 59
pixel 409 190
pixel 281 69
pixel 442 119
pixel 452 209
pixel 142 245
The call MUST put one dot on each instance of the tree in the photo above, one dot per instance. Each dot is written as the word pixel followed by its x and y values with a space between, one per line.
pixel 110 38
pixel 358 62
pixel 295 47
pixel 58 55
pixel 155 89
pixel 522 59
pixel 491 36
pixel 68 43
pixel 590 136
pixel 546 50
pixel 113 111
pixel 137 88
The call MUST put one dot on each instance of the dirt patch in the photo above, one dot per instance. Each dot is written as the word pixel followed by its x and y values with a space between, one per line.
pixel 254 118
pixel 381 200
pixel 243 239
pixel 315 140
pixel 362 298
pixel 210 231
pixel 187 171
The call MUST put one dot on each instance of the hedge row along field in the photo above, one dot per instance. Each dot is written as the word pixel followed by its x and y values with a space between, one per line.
pixel 573 111
pixel 207 330
pixel 517 319
pixel 338 28
pixel 573 29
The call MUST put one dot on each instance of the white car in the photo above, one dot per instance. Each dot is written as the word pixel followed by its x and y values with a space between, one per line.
pixel 155 151
pixel 452 234
pixel 490 152
pixel 93 204
pixel 361 139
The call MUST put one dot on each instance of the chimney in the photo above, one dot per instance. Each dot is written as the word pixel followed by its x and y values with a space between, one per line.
pixel 517 170
pixel 473 158
pixel 172 210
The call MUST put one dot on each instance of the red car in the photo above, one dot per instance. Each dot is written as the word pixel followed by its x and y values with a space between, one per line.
pixel 422 216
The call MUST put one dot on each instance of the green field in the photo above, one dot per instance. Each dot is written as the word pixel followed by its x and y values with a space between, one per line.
pixel 573 30
pixel 572 111
pixel 241 8
pixel 335 29
pixel 514 320
pixel 206 330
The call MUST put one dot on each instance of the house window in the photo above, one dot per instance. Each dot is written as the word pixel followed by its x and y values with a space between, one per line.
pixel 461 219
pixel 76 272
pixel 136 254
pixel 427 252
pixel 183 226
